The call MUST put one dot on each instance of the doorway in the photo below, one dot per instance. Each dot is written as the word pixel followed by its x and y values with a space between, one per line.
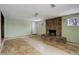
pixel 34 28
pixel 2 27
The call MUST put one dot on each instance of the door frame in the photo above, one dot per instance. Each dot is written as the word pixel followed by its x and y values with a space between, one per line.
pixel 2 27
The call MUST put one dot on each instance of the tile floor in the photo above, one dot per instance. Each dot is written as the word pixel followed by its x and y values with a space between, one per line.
pixel 71 49
pixel 36 46
pixel 44 48
pixel 18 47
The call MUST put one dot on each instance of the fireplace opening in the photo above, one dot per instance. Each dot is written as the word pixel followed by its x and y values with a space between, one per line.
pixel 52 32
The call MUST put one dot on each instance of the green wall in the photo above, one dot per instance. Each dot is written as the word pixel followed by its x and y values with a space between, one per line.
pixel 15 28
pixel 70 32
pixel 42 28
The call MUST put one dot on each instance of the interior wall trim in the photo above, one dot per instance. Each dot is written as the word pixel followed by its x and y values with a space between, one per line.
pixel 10 38
pixel 73 43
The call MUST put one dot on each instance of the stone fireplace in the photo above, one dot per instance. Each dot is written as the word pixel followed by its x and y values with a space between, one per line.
pixel 53 26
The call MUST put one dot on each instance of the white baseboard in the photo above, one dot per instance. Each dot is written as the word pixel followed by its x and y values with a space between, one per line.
pixel 72 43
pixel 10 38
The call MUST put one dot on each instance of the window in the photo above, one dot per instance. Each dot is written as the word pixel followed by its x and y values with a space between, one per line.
pixel 73 21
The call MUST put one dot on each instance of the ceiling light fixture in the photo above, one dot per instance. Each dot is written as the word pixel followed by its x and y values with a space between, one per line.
pixel 36 14
pixel 36 17
pixel 52 5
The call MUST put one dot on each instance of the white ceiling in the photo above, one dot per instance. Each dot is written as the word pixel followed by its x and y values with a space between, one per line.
pixel 27 11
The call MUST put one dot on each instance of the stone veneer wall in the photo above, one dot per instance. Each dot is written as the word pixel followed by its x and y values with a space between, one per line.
pixel 54 24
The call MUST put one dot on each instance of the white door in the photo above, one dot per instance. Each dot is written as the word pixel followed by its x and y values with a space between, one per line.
pixel 34 29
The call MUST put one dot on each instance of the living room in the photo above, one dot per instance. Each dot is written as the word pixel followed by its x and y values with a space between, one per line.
pixel 51 24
